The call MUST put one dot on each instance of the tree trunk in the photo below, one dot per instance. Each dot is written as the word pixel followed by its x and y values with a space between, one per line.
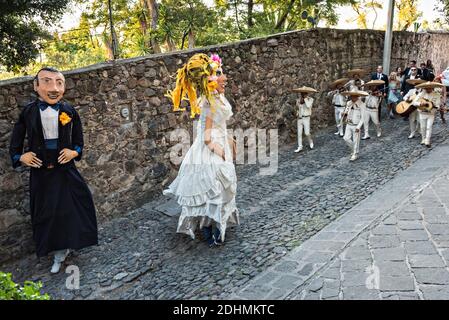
pixel 191 39
pixel 108 43
pixel 285 15
pixel 170 44
pixel 142 18
pixel 183 40
pixel 153 10
pixel 250 13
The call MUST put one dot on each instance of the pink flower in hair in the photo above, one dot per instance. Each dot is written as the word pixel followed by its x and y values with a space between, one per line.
pixel 216 58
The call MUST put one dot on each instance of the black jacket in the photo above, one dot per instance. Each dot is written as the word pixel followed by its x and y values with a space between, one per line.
pixel 30 125
pixel 407 71
pixel 427 74
pixel 384 88
pixel 407 87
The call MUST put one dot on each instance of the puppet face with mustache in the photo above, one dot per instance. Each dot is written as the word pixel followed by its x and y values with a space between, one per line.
pixel 50 86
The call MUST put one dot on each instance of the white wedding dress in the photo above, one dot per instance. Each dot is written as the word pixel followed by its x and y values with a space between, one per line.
pixel 206 184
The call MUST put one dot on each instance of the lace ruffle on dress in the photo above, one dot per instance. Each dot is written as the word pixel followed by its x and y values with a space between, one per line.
pixel 206 185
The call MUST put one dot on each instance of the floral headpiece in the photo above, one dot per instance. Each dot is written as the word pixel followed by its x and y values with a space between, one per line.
pixel 216 59
pixel 198 74
pixel 194 76
pixel 217 65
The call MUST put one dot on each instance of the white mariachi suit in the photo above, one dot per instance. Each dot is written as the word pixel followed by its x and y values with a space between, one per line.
pixel 339 103
pixel 372 113
pixel 355 118
pixel 426 118
pixel 413 117
pixel 304 114
pixel 352 87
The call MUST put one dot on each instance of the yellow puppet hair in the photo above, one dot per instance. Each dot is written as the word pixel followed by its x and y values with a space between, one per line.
pixel 193 76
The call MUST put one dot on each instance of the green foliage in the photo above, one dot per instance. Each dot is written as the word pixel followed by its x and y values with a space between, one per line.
pixel 443 7
pixel 179 18
pixel 22 25
pixel 151 26
pixel 263 17
pixel 408 14
pixel 363 8
pixel 12 291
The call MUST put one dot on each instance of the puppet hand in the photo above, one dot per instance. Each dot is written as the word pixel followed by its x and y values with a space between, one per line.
pixel 29 159
pixel 66 155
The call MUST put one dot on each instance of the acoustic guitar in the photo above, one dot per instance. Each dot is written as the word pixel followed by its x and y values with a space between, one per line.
pixel 405 108
pixel 425 105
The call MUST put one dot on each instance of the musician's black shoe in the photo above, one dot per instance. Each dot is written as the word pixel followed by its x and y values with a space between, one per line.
pixel 366 138
pixel 217 237
pixel 429 146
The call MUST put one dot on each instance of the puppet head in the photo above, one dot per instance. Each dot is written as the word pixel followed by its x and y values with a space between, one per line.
pixel 49 84
pixel 197 75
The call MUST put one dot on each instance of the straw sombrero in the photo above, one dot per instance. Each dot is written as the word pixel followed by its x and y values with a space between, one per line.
pixel 415 82
pixel 339 83
pixel 374 83
pixel 305 90
pixel 355 93
pixel 360 72
pixel 431 85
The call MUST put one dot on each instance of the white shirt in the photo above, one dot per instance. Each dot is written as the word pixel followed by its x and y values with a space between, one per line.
pixel 338 99
pixel 410 94
pixel 353 87
pixel 305 110
pixel 445 80
pixel 49 119
pixel 356 113
pixel 372 103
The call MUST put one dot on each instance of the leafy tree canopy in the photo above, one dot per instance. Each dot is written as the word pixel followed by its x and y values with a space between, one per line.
pixel 22 25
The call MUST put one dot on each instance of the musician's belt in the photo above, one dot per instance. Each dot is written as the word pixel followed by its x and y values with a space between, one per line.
pixel 304 117
pixel 372 108
pixel 425 111
pixel 338 106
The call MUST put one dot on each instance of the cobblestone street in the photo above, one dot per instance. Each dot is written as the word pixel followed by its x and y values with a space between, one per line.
pixel 317 229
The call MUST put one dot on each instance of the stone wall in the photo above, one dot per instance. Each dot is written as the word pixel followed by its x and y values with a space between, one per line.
pixel 126 160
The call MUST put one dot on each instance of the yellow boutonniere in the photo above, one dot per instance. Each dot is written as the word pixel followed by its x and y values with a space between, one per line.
pixel 64 118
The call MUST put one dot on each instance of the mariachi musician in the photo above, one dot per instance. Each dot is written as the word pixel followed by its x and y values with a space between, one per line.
pixel 408 99
pixel 373 102
pixel 356 83
pixel 428 102
pixel 339 102
pixel 354 116
pixel 304 104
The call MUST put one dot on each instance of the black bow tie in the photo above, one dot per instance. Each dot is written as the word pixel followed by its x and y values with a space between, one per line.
pixel 44 105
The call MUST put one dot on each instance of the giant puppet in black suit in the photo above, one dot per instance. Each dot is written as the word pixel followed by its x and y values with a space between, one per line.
pixel 62 210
